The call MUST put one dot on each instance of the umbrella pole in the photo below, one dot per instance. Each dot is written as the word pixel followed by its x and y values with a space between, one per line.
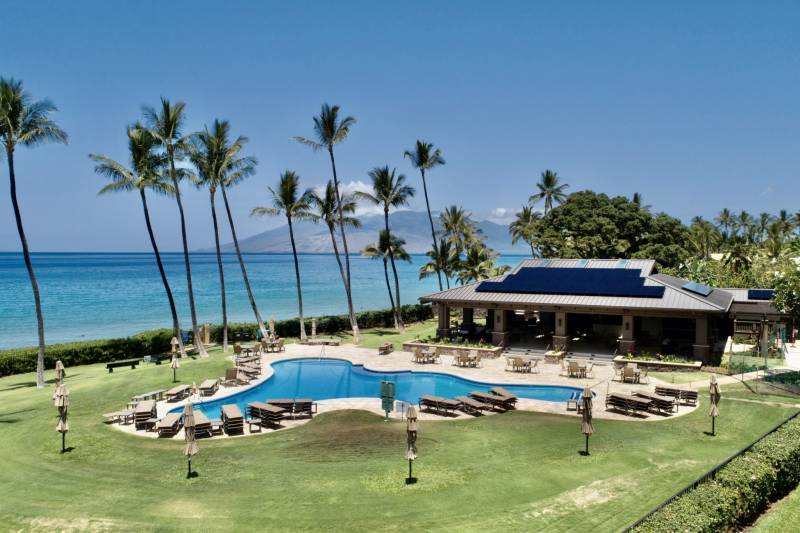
pixel 174 379
pixel 587 444
pixel 713 426
pixel 189 473
pixel 63 442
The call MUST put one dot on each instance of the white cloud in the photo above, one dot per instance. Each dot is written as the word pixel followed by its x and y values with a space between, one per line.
pixel 498 215
pixel 351 187
pixel 767 191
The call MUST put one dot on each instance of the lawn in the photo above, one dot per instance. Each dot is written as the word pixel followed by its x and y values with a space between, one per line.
pixel 784 516
pixel 681 377
pixel 518 471
pixel 757 390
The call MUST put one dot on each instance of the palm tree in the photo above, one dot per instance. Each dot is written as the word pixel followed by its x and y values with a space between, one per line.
pixel 703 236
pixel 764 220
pixel 388 246
pixel 443 259
pixel 737 256
pixel 459 228
pixel 638 201
pixel 550 190
pixel 425 157
pixel 208 157
pixel 478 264
pixel 725 222
pixel 234 170
pixel 524 226
pixel 329 132
pixel 145 172
pixel 775 240
pixel 785 222
pixel 389 190
pixel 24 122
pixel 744 222
pixel 325 210
pixel 166 127
pixel 286 201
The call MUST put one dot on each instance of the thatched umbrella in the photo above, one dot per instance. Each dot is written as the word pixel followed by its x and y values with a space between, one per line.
pixel 411 436
pixel 174 365
pixel 174 343
pixel 60 374
pixel 271 328
pixel 714 396
pixel 61 401
pixel 586 420
pixel 191 444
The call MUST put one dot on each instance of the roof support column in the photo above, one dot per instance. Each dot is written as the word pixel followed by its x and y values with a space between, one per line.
pixel 626 342
pixel 443 330
pixel 701 348
pixel 500 334
pixel 468 316
pixel 560 339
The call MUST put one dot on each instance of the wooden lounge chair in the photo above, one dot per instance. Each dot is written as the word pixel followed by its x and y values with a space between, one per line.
pixel 491 399
pixel 233 378
pixel 202 425
pixel 471 406
pixel 687 396
pixel 179 392
pixel 143 413
pixel 267 413
pixel 209 387
pixel 661 404
pixel 441 405
pixel 169 425
pixel 301 406
pixel 232 419
pixel 503 393
pixel 628 403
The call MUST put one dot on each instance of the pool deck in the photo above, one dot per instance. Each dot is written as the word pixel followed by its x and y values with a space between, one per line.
pixel 493 371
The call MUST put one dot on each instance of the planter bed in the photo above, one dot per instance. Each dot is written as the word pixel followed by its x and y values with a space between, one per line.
pixel 453 349
pixel 661 365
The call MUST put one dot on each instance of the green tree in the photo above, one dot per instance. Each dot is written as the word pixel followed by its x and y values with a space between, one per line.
pixel 144 173
pixel 389 190
pixel 787 291
pixel 330 131
pixel 24 122
pixel 725 222
pixel 459 228
pixel 551 191
pixel 478 264
pixel 443 258
pixel 325 209
pixel 388 246
pixel 166 127
pixel 425 157
pixel 665 241
pixel 523 228
pixel 704 237
pixel 286 201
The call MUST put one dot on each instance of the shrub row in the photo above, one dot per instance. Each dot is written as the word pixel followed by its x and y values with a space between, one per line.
pixel 20 360
pixel 740 491
pixel 326 325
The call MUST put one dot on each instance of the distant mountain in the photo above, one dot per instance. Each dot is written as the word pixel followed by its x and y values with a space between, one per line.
pixel 410 225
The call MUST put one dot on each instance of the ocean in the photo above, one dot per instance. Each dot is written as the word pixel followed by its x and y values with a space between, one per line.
pixel 102 295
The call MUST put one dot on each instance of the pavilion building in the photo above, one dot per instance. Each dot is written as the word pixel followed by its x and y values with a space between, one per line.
pixel 605 306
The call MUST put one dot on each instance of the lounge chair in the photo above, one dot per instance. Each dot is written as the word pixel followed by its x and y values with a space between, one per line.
pixel 179 392
pixel 232 419
pixel 471 406
pixel 441 405
pixel 169 425
pixel 209 387
pixel 234 378
pixel 503 393
pixel 202 425
pixel 492 399
pixel 301 406
pixel 662 404
pixel 268 414
pixel 143 413
pixel 628 403
pixel 386 348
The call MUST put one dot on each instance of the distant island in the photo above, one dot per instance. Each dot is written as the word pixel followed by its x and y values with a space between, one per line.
pixel 409 225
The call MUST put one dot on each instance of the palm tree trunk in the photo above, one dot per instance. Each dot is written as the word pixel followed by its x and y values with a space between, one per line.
pixel 297 276
pixel 221 273
pixel 176 326
pixel 397 312
pixel 196 332
pixel 389 288
pixel 533 250
pixel 241 264
pixel 331 230
pixel 430 219
pixel 27 256
pixel 348 286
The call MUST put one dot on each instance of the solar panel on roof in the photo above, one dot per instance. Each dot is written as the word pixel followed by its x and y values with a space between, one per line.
pixel 575 281
pixel 760 294
pixel 697 288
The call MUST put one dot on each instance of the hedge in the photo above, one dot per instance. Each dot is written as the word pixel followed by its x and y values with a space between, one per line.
pixel 740 491
pixel 21 360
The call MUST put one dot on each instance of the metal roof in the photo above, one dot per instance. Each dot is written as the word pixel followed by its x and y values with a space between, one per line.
pixel 674 299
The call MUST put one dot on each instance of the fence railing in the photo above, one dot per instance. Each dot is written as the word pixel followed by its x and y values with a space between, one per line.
pixel 711 474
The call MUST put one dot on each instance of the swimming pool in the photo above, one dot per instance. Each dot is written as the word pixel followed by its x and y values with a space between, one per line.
pixel 325 379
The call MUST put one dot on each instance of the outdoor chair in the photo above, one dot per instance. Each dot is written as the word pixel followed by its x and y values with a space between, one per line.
pixel 573 370
pixel 209 387
pixel 628 374
pixel 533 366
pixel 472 406
pixel 442 406
pixel 169 425
pixel 232 419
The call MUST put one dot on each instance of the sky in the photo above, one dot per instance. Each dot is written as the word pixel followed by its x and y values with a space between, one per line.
pixel 694 105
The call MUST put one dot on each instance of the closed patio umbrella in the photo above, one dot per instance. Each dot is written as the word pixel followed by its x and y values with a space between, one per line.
pixel 191 444
pixel 714 396
pixel 61 401
pixel 174 365
pixel 271 328
pixel 60 374
pixel 586 420
pixel 411 438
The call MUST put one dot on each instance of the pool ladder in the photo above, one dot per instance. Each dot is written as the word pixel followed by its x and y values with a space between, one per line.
pixel 322 353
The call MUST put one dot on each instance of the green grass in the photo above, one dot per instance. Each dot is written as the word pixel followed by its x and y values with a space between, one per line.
pixel 756 390
pixel 681 377
pixel 518 471
pixel 784 516
pixel 372 338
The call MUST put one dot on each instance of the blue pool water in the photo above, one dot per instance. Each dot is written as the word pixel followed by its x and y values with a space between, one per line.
pixel 324 379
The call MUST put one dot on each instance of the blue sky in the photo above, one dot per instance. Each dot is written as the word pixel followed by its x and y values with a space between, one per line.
pixel 695 106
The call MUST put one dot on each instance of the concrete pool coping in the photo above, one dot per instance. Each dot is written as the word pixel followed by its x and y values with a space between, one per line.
pixel 492 372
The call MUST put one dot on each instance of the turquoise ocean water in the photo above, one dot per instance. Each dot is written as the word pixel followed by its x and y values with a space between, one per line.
pixel 94 295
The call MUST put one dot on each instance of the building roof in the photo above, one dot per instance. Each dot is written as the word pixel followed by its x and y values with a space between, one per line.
pixel 674 297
